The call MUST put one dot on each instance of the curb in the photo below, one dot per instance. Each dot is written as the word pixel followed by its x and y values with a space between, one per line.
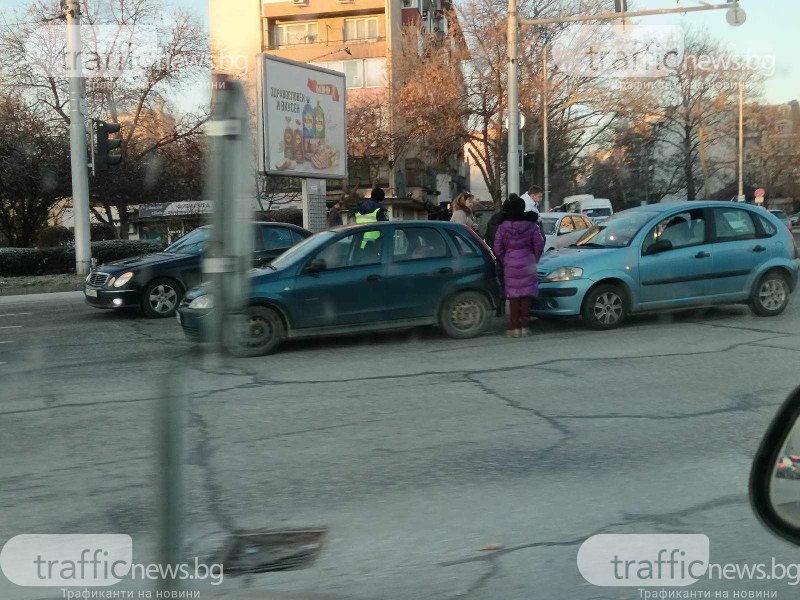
pixel 32 289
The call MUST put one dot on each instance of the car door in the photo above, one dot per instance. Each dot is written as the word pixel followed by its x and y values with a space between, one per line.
pixel 738 250
pixel 346 287
pixel 271 242
pixel 679 272
pixel 420 270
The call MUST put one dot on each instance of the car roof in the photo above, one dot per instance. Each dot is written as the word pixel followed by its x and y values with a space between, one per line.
pixel 380 224
pixel 269 224
pixel 665 206
pixel 558 215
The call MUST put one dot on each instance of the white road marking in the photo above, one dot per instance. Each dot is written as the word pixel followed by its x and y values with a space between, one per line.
pixel 12 327
pixel 16 314
pixel 8 342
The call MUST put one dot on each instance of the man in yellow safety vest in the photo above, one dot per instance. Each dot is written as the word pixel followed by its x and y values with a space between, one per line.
pixel 371 211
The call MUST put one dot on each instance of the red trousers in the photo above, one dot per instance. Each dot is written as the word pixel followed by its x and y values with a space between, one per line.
pixel 519 312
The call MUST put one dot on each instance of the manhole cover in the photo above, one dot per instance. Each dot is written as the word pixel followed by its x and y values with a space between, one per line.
pixel 262 551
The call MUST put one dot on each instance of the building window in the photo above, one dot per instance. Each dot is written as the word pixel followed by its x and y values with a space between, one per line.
pixel 361 29
pixel 375 72
pixel 290 34
pixel 360 73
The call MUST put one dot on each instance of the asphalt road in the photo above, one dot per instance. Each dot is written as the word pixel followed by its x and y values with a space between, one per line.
pixel 416 452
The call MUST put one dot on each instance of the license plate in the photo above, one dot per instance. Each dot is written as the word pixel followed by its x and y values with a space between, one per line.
pixel 91 293
pixel 178 316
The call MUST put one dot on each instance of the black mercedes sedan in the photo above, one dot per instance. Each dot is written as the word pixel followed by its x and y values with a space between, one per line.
pixel 157 282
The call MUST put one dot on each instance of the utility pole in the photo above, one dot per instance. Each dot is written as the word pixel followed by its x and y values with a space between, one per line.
pixel 77 140
pixel 741 196
pixel 512 162
pixel 545 136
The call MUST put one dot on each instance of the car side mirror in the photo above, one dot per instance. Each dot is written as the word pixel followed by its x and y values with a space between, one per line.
pixel 659 247
pixel 775 475
pixel 318 265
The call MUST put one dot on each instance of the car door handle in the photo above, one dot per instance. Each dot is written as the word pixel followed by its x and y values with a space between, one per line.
pixel 372 278
pixel 759 249
pixel 702 255
pixel 445 271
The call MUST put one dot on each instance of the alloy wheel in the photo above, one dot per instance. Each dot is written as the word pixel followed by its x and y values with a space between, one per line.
pixel 608 308
pixel 163 298
pixel 772 294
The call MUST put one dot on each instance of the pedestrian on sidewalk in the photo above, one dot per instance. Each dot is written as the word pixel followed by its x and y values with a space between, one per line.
pixel 462 211
pixel 518 246
pixel 335 214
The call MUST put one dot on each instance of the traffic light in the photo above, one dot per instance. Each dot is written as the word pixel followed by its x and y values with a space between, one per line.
pixel 621 6
pixel 103 157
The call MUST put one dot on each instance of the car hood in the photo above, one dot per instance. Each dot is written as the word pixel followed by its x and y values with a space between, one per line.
pixel 585 258
pixel 147 260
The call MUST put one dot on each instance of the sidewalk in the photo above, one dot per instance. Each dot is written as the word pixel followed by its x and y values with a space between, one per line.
pixel 42 284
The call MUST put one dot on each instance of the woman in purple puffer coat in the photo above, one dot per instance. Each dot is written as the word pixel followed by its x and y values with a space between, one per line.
pixel 518 245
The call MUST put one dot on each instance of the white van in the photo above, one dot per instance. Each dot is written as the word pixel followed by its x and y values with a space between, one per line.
pixel 596 209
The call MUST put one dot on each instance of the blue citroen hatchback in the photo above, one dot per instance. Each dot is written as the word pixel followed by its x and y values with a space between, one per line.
pixel 363 278
pixel 671 256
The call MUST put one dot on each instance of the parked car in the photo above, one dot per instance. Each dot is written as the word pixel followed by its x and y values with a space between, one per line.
pixel 668 256
pixel 361 278
pixel 157 282
pixel 782 216
pixel 562 229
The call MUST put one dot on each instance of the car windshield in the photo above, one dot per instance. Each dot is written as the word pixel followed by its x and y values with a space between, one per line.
pixel 549 225
pixel 288 257
pixel 616 232
pixel 192 243
pixel 779 213
pixel 596 212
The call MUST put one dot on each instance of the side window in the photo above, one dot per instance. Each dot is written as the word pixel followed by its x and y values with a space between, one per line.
pixel 358 249
pixel 587 223
pixel 769 228
pixel 579 222
pixel 567 226
pixel 276 238
pixel 734 224
pixel 417 243
pixel 682 230
pixel 463 246
pixel 296 237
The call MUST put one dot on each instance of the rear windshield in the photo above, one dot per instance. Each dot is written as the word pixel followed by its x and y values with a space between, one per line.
pixel 596 212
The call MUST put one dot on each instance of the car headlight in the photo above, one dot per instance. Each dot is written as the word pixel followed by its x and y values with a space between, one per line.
pixel 202 302
pixel 565 274
pixel 111 282
pixel 123 279
pixel 89 276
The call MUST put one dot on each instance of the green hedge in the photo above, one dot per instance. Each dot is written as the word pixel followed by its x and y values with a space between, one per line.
pixel 17 262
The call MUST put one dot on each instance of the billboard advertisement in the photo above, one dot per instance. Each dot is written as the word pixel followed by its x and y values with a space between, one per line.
pixel 302 120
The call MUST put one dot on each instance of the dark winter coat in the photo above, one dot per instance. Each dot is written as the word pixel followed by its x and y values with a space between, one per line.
pixel 518 245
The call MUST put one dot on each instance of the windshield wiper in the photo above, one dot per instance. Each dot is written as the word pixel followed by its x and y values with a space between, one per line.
pixel 588 245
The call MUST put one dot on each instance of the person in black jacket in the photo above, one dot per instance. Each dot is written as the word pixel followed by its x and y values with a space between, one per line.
pixel 494 223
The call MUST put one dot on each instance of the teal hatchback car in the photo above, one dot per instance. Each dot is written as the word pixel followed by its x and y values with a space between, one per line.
pixel 363 278
pixel 671 256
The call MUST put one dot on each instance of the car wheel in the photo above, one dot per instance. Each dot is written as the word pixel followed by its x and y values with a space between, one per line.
pixel 465 315
pixel 770 296
pixel 605 307
pixel 257 332
pixel 160 298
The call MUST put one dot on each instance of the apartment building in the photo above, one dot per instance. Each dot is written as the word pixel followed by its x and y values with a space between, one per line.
pixel 356 37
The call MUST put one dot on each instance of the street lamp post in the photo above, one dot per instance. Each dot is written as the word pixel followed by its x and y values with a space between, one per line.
pixel 512 162
pixel 741 196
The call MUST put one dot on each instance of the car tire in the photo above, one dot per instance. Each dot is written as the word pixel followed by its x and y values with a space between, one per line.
pixel 770 295
pixel 257 332
pixel 160 298
pixel 465 315
pixel 605 307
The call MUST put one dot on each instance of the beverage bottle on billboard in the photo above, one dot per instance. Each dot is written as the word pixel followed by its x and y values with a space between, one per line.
pixel 308 130
pixel 288 140
pixel 319 125
pixel 299 148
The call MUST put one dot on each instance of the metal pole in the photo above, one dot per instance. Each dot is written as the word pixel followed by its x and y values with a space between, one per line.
pixel 512 162
pixel 545 134
pixel 610 16
pixel 741 196
pixel 77 141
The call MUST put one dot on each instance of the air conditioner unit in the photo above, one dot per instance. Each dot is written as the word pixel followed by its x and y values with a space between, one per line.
pixel 300 2
pixel 345 1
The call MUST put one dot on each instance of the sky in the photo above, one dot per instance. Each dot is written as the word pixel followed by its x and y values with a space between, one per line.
pixel 771 30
